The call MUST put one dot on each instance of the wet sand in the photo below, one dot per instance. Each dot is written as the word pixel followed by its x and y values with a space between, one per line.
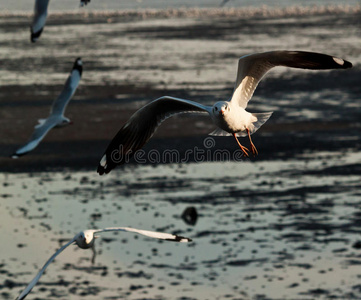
pixel 282 225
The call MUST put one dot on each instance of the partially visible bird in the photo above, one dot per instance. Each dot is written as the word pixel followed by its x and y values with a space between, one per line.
pixel 56 117
pixel 230 117
pixel 39 19
pixel 84 2
pixel 190 215
pixel 85 240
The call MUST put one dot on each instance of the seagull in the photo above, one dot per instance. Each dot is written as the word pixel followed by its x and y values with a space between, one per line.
pixel 40 14
pixel 230 117
pixel 56 117
pixel 85 240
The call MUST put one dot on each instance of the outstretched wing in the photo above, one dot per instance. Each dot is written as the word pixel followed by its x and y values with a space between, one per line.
pixel 152 234
pixel 39 19
pixel 39 133
pixel 69 89
pixel 37 277
pixel 252 68
pixel 141 127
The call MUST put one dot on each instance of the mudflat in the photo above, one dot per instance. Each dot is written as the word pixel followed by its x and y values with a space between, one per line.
pixel 282 225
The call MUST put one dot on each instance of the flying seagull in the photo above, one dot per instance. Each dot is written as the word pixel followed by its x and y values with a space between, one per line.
pixel 230 117
pixel 85 240
pixel 39 19
pixel 56 117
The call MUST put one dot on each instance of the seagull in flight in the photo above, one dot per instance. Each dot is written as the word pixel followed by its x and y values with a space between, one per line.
pixel 85 240
pixel 230 117
pixel 56 117
pixel 39 19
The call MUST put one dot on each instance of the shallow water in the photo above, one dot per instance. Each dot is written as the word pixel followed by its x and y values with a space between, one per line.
pixel 272 229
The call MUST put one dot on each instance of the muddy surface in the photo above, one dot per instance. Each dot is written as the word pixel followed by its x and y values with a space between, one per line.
pixel 284 224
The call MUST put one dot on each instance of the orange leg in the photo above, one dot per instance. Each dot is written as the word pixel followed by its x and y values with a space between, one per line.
pixel 253 147
pixel 244 149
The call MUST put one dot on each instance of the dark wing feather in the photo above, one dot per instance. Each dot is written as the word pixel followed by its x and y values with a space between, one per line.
pixel 141 127
pixel 252 68
pixel 39 19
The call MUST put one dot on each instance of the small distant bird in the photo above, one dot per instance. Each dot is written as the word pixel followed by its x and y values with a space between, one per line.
pixel 39 19
pixel 56 117
pixel 85 240
pixel 190 215
pixel 84 2
pixel 230 117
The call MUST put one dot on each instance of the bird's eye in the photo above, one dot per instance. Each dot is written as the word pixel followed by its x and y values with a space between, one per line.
pixel 216 108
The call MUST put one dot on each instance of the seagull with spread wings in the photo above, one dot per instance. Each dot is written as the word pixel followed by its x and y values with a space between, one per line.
pixel 230 117
pixel 85 240
pixel 56 117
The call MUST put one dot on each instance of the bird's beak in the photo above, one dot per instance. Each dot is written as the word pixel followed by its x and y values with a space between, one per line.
pixel 71 123
pixel 222 112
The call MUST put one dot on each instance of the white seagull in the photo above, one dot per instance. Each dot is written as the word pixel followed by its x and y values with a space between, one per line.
pixel 39 19
pixel 230 117
pixel 56 117
pixel 85 240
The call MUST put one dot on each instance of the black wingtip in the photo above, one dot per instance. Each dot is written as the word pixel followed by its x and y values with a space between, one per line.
pixel 178 238
pixel 104 167
pixel 101 170
pixel 35 35
pixel 17 155
pixel 84 2
pixel 78 65
pixel 344 64
pixel 347 64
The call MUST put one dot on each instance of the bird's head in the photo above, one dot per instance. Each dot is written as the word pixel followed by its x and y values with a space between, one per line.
pixel 85 239
pixel 220 108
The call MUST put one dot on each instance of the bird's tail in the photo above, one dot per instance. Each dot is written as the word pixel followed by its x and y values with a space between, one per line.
pixel 261 119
